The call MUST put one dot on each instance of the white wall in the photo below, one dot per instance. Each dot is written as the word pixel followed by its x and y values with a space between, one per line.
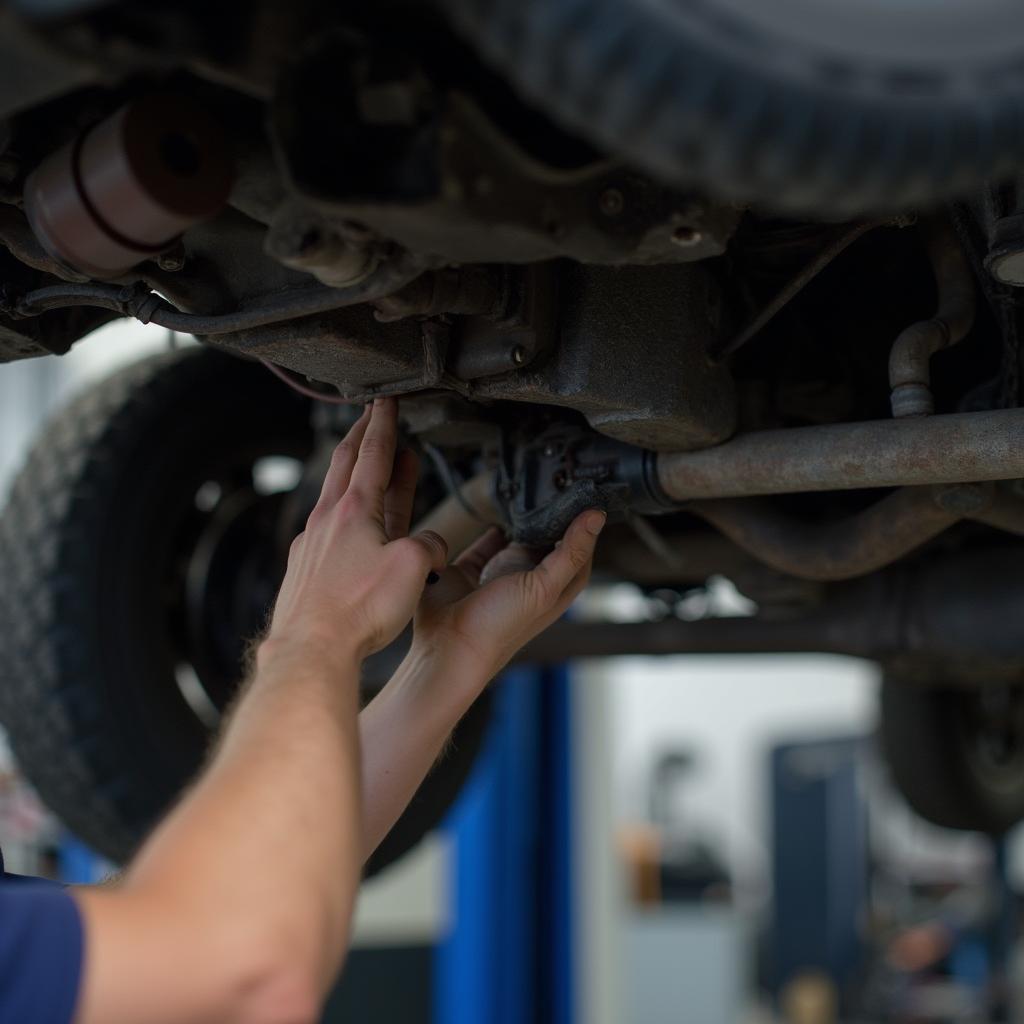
pixel 32 388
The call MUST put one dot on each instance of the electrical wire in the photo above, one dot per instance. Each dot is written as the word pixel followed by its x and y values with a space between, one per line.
pixel 303 389
pixel 149 307
pixel 454 486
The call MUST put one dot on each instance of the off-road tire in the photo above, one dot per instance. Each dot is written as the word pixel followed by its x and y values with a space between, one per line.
pixel 95 722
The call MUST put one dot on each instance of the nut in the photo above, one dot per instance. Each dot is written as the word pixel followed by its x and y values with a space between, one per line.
pixel 172 261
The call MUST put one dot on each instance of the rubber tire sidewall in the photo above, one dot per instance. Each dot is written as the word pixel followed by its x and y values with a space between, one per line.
pixel 94 721
pixel 924 738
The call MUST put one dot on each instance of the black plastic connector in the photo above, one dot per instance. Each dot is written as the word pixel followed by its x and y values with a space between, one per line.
pixel 543 484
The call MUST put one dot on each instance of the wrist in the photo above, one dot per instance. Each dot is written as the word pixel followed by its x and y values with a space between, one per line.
pixel 308 656
pixel 444 670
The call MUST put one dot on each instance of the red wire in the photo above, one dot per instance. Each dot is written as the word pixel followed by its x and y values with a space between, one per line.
pixel 283 374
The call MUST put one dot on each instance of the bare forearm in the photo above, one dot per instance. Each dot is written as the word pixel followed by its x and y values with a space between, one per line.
pixel 269 837
pixel 402 733
pixel 243 895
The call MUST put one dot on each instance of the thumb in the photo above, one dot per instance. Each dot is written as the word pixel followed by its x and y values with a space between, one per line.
pixel 434 546
pixel 512 559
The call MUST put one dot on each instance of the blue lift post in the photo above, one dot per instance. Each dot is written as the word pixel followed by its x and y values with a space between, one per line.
pixel 508 956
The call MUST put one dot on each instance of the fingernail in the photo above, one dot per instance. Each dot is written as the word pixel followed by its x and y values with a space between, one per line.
pixel 594 521
pixel 432 577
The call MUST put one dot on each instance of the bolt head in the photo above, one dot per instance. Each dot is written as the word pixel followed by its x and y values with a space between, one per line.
pixel 611 202
pixel 171 261
pixel 519 355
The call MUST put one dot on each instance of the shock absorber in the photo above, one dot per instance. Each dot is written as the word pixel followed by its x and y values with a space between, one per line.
pixel 126 189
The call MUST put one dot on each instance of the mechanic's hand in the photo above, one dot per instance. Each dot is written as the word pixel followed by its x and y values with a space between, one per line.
pixel 350 589
pixel 495 598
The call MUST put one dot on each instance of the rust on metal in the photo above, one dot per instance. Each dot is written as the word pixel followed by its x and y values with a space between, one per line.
pixel 947 449
pixel 834 550
pixel 861 543
pixel 956 613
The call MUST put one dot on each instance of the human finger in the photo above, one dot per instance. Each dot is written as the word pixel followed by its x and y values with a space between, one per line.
pixel 553 612
pixel 399 497
pixel 576 586
pixel 343 458
pixel 573 555
pixel 515 558
pixel 429 547
pixel 473 560
pixel 371 473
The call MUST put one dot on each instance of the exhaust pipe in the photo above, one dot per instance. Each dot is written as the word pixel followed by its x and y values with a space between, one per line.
pixel 949 449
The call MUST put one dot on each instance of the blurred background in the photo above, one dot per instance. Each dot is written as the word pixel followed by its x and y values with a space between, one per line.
pixel 707 840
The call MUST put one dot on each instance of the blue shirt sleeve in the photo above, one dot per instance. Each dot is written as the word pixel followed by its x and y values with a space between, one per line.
pixel 40 952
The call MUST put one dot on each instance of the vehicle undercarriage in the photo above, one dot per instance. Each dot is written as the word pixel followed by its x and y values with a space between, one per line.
pixel 803 376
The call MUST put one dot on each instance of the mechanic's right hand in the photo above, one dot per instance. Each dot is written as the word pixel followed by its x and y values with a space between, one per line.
pixel 349 591
pixel 494 599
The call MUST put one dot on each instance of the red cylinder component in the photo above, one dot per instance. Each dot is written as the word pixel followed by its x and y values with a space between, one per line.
pixel 126 189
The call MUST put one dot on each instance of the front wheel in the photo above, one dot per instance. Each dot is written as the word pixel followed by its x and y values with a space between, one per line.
pixel 142 545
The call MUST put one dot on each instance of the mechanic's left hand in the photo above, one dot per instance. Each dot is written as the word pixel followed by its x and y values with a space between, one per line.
pixel 354 578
